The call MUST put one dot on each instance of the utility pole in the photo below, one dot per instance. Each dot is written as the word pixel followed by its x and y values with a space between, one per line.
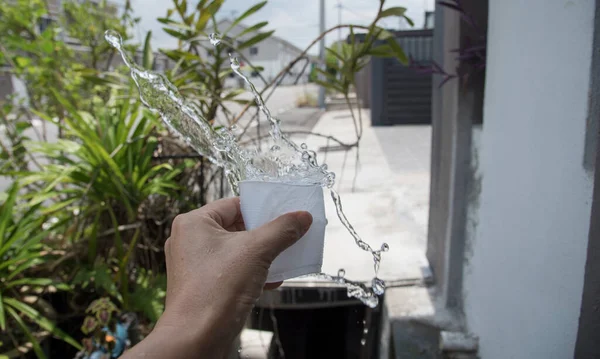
pixel 339 7
pixel 339 47
pixel 322 55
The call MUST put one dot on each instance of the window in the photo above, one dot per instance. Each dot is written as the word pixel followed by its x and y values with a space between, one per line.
pixel 159 66
pixel 44 23
pixel 254 50
pixel 429 20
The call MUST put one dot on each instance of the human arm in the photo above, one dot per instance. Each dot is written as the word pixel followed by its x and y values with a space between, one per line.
pixel 216 271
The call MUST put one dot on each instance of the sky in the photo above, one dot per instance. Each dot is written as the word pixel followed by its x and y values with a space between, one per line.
pixel 296 21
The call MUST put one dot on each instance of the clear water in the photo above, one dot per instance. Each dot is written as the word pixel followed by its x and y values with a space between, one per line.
pixel 285 162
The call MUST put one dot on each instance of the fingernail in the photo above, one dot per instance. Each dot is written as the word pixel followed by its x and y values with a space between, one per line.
pixel 305 219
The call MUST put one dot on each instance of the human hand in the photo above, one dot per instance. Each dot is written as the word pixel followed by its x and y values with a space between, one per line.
pixel 216 271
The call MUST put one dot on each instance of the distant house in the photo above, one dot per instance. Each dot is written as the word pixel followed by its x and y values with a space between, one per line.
pixel 272 54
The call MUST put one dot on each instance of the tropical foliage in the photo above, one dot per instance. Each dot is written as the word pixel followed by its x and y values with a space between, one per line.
pixel 96 177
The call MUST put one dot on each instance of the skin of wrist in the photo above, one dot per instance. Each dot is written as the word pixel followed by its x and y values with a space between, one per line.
pixel 202 333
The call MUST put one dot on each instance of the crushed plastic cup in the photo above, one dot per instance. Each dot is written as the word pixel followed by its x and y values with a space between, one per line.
pixel 262 202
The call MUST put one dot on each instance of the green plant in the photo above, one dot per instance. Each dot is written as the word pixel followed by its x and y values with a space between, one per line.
pixel 101 176
pixel 201 68
pixel 345 60
pixel 149 294
pixel 101 191
pixel 87 21
pixel 106 190
pixel 23 254
pixel 101 313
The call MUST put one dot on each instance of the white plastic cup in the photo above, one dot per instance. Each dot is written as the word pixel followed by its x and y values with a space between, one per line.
pixel 262 202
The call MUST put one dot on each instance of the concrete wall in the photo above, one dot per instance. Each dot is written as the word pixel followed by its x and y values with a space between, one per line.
pixel 523 284
pixel 588 345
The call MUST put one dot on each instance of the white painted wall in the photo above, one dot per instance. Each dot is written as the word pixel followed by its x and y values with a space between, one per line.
pixel 524 281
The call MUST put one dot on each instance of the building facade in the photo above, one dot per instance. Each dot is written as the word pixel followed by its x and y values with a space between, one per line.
pixel 513 234
pixel 273 55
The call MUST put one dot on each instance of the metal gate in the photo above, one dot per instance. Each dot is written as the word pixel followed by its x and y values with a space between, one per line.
pixel 400 95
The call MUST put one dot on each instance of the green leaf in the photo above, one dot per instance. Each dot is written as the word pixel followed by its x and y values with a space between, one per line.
pixel 30 239
pixel 201 4
pixel 255 40
pixel 22 61
pixel 335 54
pixel 22 126
pixel 58 206
pixel 384 50
pixel 327 75
pixel 6 212
pixel 328 85
pixel 233 93
pixel 42 321
pixel 246 13
pixel 47 46
pixel 24 266
pixel 66 104
pixel 398 51
pixel 253 28
pixel 393 11
pixel 409 20
pixel 36 346
pixel 2 315
pixel 35 282
pixel 207 13
pixel 97 80
pixel 383 34
pixel 148 56
pixel 177 34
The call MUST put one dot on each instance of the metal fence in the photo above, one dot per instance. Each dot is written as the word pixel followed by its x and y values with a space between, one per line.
pixel 399 95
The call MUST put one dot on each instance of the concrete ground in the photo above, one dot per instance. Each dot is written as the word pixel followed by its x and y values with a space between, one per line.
pixel 389 202
pixel 283 99
pixel 386 198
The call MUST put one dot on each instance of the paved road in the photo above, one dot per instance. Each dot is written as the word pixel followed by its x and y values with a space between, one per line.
pixel 390 202
pixel 283 99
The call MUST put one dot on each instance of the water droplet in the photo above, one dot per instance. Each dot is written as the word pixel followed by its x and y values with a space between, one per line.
pixel 233 128
pixel 235 64
pixel 113 38
pixel 365 330
pixel 214 39
pixel 341 273
pixel 221 148
pixel 385 247
pixel 378 286
pixel 364 246
pixel 363 341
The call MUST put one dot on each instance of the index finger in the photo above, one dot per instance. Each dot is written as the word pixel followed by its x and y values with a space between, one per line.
pixel 226 212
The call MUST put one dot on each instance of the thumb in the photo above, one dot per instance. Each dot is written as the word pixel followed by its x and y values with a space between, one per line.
pixel 274 237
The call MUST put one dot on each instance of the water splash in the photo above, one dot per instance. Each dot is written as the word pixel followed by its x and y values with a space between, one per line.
pixel 214 39
pixel 284 162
